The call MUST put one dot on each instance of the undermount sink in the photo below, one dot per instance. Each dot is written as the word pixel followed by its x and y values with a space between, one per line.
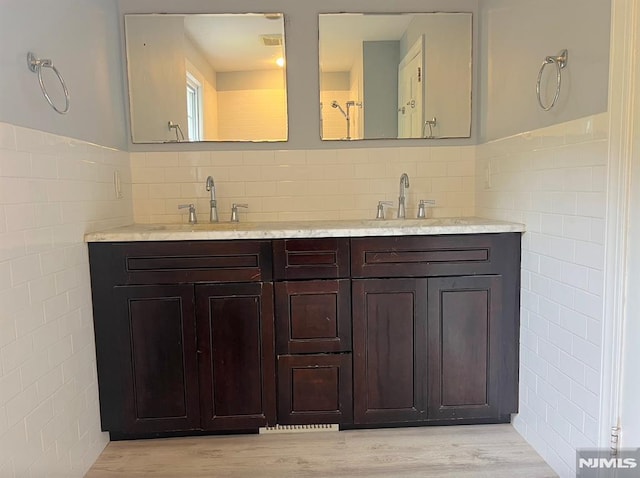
pixel 373 223
pixel 203 226
pixel 445 221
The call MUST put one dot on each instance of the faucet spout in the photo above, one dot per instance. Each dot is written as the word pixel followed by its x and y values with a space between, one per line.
pixel 213 206
pixel 404 183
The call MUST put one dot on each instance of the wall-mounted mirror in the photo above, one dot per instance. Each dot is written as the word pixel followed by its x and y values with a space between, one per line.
pixel 206 77
pixel 405 75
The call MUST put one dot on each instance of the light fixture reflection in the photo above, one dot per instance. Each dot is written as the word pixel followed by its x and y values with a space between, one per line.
pixel 280 62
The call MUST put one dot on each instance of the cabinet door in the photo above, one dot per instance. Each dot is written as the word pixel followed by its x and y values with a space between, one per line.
pixel 464 347
pixel 152 383
pixel 389 347
pixel 314 389
pixel 236 355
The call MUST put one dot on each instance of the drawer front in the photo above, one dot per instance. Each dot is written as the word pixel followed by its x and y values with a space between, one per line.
pixel 420 256
pixel 314 389
pixel 311 258
pixel 185 261
pixel 313 316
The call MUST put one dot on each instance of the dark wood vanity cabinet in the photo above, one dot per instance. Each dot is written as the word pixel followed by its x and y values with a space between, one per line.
pixel 184 336
pixel 435 328
pixel 313 331
pixel 196 336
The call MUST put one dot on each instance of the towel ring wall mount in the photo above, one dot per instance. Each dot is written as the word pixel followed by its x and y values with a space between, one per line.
pixel 35 65
pixel 560 62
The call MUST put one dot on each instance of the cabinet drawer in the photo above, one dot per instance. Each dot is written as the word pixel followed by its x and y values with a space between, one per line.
pixel 184 261
pixel 311 258
pixel 313 316
pixel 420 256
pixel 314 389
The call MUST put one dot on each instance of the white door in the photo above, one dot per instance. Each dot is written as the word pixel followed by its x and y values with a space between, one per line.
pixel 411 92
pixel 620 381
pixel 630 391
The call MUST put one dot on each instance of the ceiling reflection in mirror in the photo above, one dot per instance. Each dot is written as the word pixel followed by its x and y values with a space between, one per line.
pixel 405 75
pixel 218 77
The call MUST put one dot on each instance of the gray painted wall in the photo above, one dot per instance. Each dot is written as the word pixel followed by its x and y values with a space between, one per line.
pixel 301 30
pixel 516 36
pixel 380 72
pixel 82 37
pixel 156 53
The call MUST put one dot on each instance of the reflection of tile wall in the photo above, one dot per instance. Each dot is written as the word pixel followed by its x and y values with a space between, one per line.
pixel 554 181
pixel 252 115
pixel 52 191
pixel 293 185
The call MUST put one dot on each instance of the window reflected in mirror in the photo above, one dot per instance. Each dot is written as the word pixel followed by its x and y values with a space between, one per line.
pixel 219 77
pixel 405 75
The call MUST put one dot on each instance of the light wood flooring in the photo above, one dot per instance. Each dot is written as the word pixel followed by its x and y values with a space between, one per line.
pixel 491 451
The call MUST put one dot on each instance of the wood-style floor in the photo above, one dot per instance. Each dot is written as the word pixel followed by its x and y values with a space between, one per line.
pixel 491 451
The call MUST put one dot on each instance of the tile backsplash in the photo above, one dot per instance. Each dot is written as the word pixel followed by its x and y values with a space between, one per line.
pixel 302 185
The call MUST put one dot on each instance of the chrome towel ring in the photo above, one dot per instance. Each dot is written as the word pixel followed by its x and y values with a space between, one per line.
pixel 560 62
pixel 36 65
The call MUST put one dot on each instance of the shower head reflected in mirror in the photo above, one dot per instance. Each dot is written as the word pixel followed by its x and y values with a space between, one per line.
pixel 347 114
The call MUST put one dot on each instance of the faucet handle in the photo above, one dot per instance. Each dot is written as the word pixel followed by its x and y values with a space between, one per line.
pixel 234 211
pixel 192 212
pixel 422 212
pixel 381 205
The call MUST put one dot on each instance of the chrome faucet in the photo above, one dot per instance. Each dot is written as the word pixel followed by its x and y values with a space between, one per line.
pixel 213 206
pixel 234 211
pixel 404 183
pixel 193 219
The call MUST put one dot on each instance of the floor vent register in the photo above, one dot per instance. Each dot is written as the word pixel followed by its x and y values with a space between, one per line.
pixel 324 427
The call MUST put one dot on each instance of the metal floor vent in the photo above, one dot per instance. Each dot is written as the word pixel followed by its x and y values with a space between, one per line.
pixel 324 427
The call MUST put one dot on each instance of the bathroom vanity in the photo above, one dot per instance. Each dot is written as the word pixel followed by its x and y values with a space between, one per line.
pixel 225 327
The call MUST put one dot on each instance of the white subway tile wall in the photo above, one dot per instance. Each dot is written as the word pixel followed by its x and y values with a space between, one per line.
pixel 52 190
pixel 553 180
pixel 302 185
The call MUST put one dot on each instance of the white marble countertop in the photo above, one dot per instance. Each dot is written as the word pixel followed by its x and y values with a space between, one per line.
pixel 303 229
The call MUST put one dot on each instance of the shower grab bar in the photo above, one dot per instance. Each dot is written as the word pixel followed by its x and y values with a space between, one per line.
pixel 560 61
pixel 35 65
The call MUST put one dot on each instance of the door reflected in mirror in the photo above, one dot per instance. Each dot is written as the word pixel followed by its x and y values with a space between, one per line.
pixel 405 75
pixel 219 77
